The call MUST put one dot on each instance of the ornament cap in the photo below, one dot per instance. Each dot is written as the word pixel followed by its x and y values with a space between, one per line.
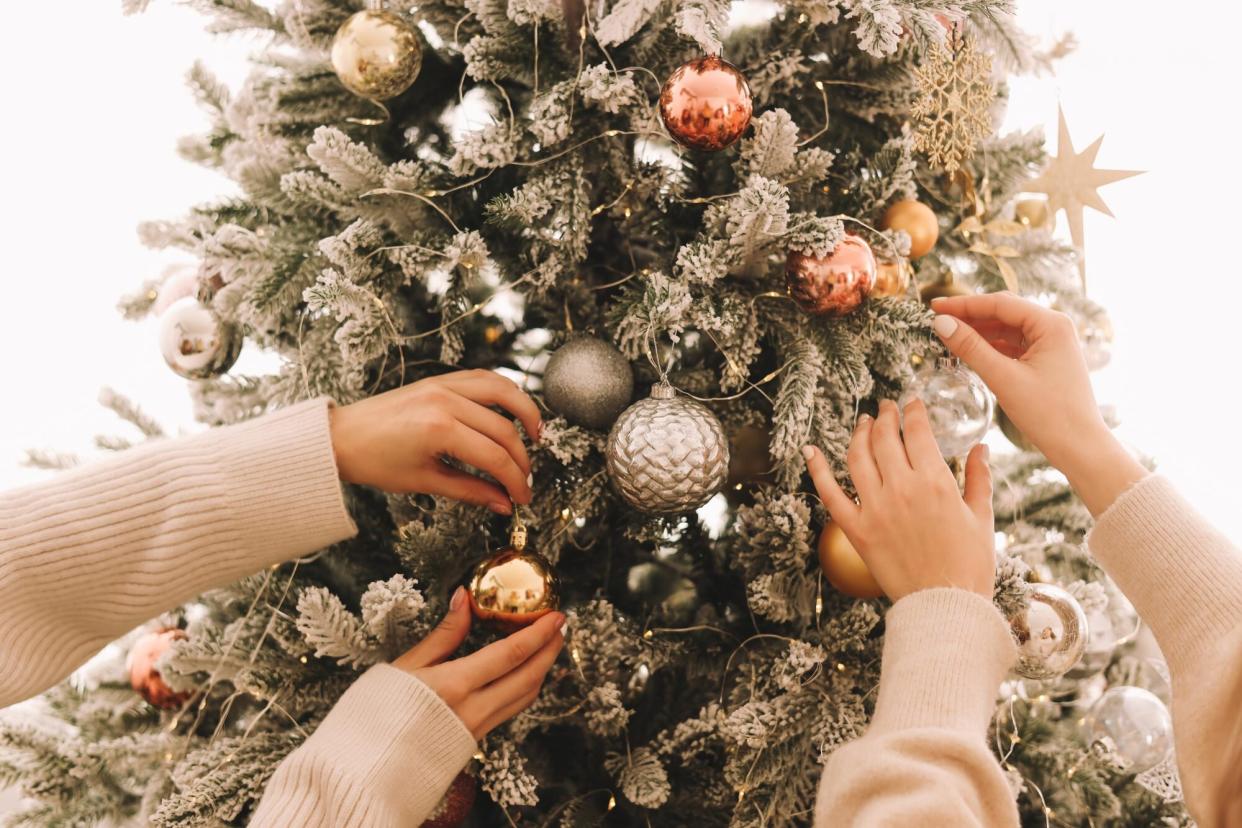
pixel 948 363
pixel 663 391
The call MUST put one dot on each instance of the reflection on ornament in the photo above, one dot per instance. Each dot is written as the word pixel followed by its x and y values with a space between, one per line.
pixel 1134 725
pixel 143 676
pixel 376 54
pixel 1051 633
pixel 705 104
pixel 1101 641
pixel 514 588
pixel 667 453
pixel 919 223
pixel 456 803
pixel 1031 212
pixel 195 342
pixel 843 566
pixel 959 405
pixel 588 382
pixel 892 278
pixel 834 284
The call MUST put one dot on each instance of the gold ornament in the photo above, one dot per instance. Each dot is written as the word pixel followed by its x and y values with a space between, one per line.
pixel 835 284
pixel 376 54
pixel 1031 212
pixel 144 678
pixel 515 587
pixel 919 222
pixel 843 566
pixel 1072 183
pixel 953 110
pixel 946 286
pixel 892 278
pixel 705 104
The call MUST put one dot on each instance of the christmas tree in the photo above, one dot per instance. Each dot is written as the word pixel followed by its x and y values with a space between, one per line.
pixel 740 249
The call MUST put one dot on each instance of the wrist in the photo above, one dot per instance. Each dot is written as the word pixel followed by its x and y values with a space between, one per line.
pixel 1100 469
pixel 339 433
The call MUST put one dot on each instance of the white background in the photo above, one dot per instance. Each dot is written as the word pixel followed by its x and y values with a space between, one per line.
pixel 95 101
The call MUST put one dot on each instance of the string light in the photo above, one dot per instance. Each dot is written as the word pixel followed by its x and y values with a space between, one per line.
pixel 612 801
pixel 647 635
pixel 302 659
pixel 840 667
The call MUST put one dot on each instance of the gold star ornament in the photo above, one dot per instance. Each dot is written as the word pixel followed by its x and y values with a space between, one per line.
pixel 1072 183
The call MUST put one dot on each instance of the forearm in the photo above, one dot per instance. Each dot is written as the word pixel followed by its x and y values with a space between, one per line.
pixel 382 758
pixel 1099 468
pixel 88 555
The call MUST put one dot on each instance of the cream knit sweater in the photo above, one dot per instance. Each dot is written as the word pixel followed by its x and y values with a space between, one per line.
pixel 92 553
pixel 923 760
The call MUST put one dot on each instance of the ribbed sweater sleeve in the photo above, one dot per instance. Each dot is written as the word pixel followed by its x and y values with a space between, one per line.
pixel 1185 580
pixel 382 758
pixel 93 552
pixel 924 759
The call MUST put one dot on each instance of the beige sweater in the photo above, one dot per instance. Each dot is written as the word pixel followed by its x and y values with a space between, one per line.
pixel 924 761
pixel 92 553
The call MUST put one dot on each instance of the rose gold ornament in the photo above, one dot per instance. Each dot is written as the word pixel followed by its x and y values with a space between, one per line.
pixel 919 222
pixel 143 676
pixel 892 278
pixel 835 284
pixel 705 104
pixel 455 806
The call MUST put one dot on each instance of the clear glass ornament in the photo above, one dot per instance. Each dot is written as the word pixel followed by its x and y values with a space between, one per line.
pixel 958 404
pixel 1051 633
pixel 1134 725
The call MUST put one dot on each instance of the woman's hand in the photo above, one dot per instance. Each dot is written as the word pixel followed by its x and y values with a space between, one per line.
pixel 911 526
pixel 491 686
pixel 1031 359
pixel 397 441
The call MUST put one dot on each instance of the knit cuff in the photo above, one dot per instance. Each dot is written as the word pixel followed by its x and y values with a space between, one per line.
pixel 285 492
pixel 945 653
pixel 1183 576
pixel 392 746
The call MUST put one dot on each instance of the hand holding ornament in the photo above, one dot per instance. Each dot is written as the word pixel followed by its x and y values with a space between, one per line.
pixel 494 684
pixel 1031 359
pixel 911 526
pixel 397 441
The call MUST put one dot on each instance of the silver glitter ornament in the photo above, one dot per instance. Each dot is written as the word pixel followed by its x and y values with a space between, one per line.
pixel 667 453
pixel 959 405
pixel 1051 633
pixel 588 382
pixel 1134 725
pixel 196 342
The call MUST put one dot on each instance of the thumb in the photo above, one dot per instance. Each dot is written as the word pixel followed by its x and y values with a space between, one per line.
pixel 978 490
pixel 444 640
pixel 965 343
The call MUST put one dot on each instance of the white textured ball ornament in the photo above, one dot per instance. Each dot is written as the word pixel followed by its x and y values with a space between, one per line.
pixel 667 454
pixel 1134 724
pixel 588 382
pixel 195 342
pixel 958 404
pixel 1051 633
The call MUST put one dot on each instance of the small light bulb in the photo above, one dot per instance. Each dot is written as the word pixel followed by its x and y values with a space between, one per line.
pixel 612 802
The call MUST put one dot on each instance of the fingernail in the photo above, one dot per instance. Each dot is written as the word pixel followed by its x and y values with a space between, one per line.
pixel 530 481
pixel 944 326
pixel 562 624
pixel 459 595
pixel 500 508
pixel 808 453
pixel 863 419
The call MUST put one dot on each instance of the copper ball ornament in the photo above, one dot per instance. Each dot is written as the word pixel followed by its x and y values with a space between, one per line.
pixel 376 54
pixel 843 566
pixel 195 342
pixel 832 285
pixel 918 221
pixel 705 104
pixel 144 678
pixel 456 803
pixel 514 588
pixel 892 277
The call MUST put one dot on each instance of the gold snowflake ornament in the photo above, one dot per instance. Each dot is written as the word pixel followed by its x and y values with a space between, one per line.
pixel 953 110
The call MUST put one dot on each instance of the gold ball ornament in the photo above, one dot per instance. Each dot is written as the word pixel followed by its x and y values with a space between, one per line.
pixel 456 803
pixel 942 288
pixel 892 278
pixel 376 54
pixel 1031 212
pixel 919 222
pixel 831 285
pixel 705 104
pixel 144 678
pixel 514 588
pixel 843 566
